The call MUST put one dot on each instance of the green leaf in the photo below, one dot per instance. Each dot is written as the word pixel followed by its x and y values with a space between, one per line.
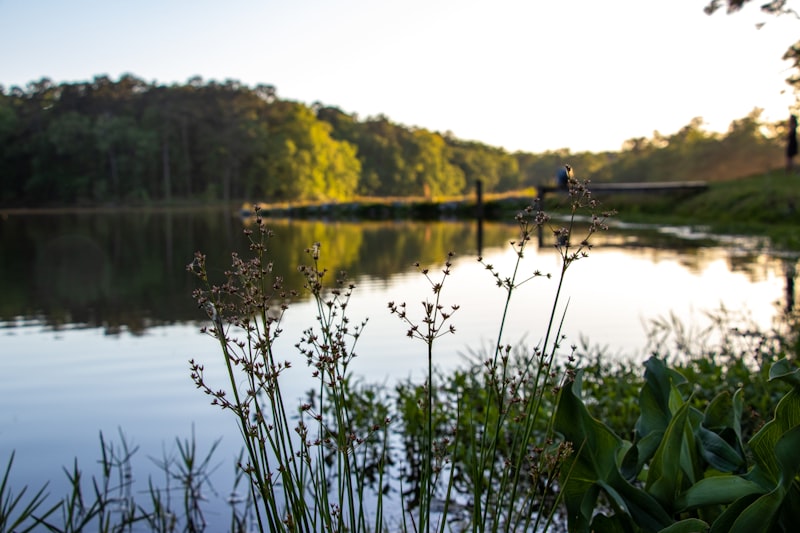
pixel 690 525
pixel 645 510
pixel 692 464
pixel 765 511
pixel 790 510
pixel 717 490
pixel 665 475
pixel 759 515
pixel 788 457
pixel 595 443
pixel 763 443
pixel 738 409
pixel 785 371
pixel 612 524
pixel 595 447
pixel 719 413
pixel 720 435
pixel 718 453
pixel 724 522
pixel 638 454
pixel 593 467
pixel 774 449
pixel 654 398
pixel 659 398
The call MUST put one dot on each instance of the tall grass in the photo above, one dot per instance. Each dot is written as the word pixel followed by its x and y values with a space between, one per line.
pixel 108 502
pixel 505 456
pixel 308 464
pixel 531 456
pixel 16 512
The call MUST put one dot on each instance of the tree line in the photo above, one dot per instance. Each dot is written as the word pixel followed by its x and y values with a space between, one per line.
pixel 130 141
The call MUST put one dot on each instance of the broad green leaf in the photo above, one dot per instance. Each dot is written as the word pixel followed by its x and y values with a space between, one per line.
pixel 790 510
pixel 763 443
pixel 595 444
pixel 586 505
pixel 665 475
pixel 616 499
pixel 645 510
pixel 634 503
pixel 717 490
pixel 641 452
pixel 595 448
pixel 676 399
pixel 761 514
pixel 724 522
pixel 720 413
pixel 593 467
pixel 785 371
pixel 659 398
pixel 654 398
pixel 692 464
pixel 738 409
pixel 788 453
pixel 690 525
pixel 775 451
pixel 718 453
pixel 617 523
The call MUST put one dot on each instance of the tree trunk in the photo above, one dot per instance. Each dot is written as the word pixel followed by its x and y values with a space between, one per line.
pixel 112 165
pixel 165 167
pixel 187 158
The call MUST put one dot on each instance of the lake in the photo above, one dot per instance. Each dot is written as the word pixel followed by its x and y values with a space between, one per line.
pixel 97 322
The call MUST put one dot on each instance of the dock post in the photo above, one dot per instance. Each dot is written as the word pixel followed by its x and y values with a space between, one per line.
pixel 479 199
pixel 479 214
pixel 538 203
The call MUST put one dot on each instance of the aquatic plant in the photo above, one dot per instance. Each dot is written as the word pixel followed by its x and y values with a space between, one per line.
pixel 107 501
pixel 687 469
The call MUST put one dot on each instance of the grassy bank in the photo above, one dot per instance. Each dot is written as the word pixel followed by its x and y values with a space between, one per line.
pixel 494 205
pixel 765 204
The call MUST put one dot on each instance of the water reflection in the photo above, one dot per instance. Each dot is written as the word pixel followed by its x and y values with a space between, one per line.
pixel 127 270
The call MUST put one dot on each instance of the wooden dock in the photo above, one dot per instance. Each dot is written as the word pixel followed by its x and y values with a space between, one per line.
pixel 652 187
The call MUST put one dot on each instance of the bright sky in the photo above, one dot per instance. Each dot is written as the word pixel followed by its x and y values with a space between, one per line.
pixel 529 75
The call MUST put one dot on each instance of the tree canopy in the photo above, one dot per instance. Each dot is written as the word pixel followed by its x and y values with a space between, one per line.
pixel 772 7
pixel 106 142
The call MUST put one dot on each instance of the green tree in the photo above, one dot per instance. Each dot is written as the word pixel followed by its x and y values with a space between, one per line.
pixel 130 152
pixel 494 167
pixel 9 151
pixel 381 149
pixel 72 139
pixel 131 141
pixel 305 162
pixel 432 174
pixel 750 146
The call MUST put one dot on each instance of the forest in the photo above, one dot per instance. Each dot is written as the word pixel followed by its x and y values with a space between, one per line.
pixel 131 142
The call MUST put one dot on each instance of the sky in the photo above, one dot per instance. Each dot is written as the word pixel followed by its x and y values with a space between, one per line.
pixel 530 75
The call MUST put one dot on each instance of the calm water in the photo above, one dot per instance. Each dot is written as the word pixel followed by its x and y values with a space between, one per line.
pixel 97 322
